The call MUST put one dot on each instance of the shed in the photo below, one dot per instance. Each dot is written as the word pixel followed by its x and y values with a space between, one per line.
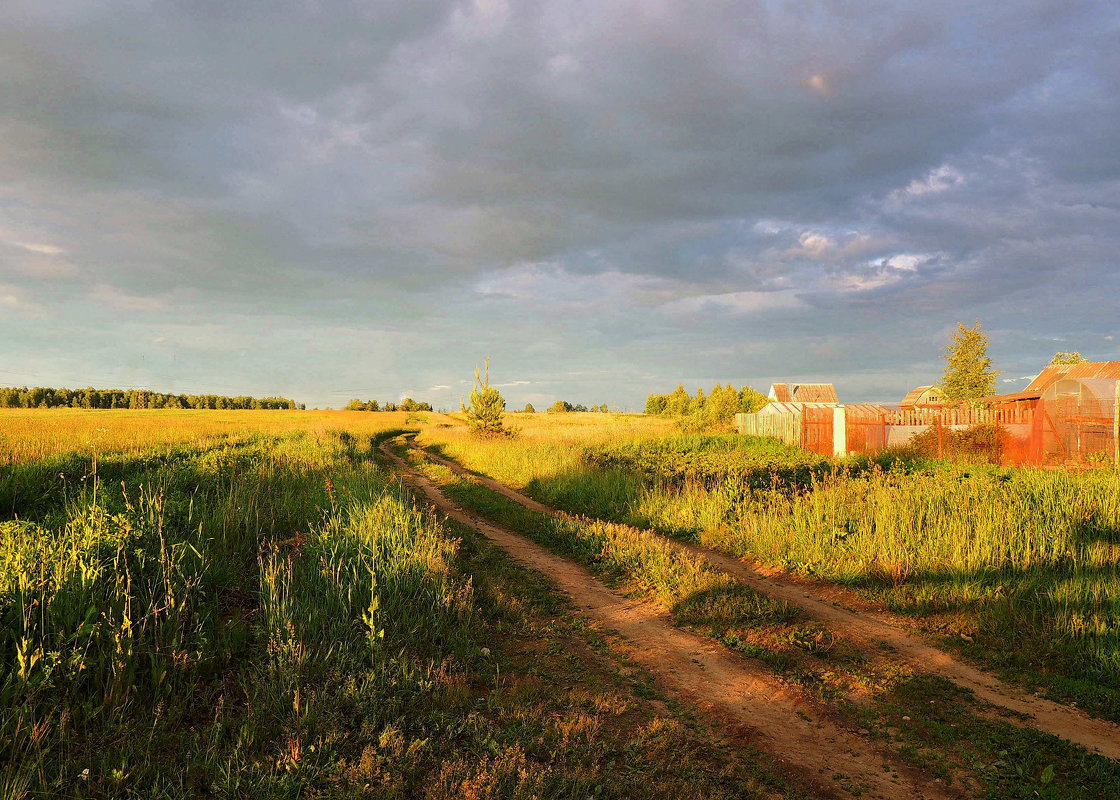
pixel 815 393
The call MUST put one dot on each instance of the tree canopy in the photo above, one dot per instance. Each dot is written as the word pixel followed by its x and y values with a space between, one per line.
pixel 717 409
pixel 1062 358
pixel 968 369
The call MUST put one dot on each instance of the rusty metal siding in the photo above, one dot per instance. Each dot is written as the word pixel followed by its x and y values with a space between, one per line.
pixel 816 429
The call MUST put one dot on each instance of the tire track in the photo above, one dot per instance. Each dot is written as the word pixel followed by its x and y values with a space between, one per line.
pixel 878 634
pixel 746 698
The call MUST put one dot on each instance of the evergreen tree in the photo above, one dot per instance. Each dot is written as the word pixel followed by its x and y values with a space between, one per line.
pixel 529 409
pixel 968 370
pixel 484 415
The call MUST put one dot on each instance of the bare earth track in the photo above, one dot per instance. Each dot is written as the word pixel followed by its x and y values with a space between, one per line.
pixel 744 697
pixel 879 634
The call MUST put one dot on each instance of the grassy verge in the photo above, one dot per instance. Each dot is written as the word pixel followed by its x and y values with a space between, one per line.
pixel 972 745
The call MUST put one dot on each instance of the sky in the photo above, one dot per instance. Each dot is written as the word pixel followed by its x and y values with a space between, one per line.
pixel 328 200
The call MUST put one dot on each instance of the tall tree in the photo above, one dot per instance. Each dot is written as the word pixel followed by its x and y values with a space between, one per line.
pixel 968 370
pixel 484 414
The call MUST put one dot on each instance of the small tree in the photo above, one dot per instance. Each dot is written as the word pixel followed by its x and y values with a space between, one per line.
pixel 678 401
pixel 656 404
pixel 484 414
pixel 561 407
pixel 751 401
pixel 529 409
pixel 1061 359
pixel 968 370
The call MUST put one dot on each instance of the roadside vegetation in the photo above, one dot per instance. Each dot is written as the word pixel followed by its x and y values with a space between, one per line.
pixel 964 742
pixel 254 608
pixel 1019 569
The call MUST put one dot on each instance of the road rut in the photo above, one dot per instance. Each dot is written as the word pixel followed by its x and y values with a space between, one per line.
pixel 875 632
pixel 744 697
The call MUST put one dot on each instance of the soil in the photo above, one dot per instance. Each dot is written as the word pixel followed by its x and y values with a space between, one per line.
pixel 879 634
pixel 743 696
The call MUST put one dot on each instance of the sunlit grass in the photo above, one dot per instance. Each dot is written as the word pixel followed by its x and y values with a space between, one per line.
pixel 245 604
pixel 1025 564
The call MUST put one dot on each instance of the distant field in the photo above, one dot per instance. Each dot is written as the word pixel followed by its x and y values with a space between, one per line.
pixel 28 434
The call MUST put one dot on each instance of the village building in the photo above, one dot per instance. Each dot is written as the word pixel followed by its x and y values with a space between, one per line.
pixel 822 394
pixel 923 396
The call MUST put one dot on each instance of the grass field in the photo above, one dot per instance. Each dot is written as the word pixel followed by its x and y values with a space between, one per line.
pixel 248 604
pixel 245 604
pixel 1017 568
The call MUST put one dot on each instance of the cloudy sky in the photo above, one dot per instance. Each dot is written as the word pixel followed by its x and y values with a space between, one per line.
pixel 337 199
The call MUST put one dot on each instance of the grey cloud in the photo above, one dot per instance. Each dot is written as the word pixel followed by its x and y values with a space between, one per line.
pixel 819 188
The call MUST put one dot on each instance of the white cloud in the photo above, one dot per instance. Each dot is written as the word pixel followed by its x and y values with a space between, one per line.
pixel 937 181
pixel 42 249
pixel 744 302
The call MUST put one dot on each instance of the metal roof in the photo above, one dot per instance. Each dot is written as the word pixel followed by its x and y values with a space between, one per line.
pixel 866 410
pixel 803 393
pixel 1087 369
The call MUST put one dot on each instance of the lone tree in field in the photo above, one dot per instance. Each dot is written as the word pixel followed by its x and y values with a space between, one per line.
pixel 968 370
pixel 484 414
pixel 1063 358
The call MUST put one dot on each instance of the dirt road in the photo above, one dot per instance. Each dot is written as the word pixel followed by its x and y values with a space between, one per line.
pixel 745 698
pixel 839 610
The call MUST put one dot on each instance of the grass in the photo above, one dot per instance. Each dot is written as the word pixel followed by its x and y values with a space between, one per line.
pixel 932 723
pixel 244 605
pixel 1019 569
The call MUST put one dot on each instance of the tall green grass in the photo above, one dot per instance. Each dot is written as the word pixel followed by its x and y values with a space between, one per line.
pixel 192 628
pixel 1025 564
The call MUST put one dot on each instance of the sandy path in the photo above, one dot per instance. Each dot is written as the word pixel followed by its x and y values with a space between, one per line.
pixel 871 630
pixel 743 696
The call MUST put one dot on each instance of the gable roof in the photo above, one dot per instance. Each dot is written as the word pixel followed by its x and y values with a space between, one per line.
pixel 914 396
pixel 803 393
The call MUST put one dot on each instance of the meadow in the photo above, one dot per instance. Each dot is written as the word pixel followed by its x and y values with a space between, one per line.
pixel 1017 569
pixel 247 604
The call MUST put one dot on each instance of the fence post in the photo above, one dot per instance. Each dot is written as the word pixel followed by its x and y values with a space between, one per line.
pixel 839 431
pixel 1116 427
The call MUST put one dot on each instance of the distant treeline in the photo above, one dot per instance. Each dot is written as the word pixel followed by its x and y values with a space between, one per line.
pixel 564 407
pixel 717 408
pixel 407 404
pixel 41 397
